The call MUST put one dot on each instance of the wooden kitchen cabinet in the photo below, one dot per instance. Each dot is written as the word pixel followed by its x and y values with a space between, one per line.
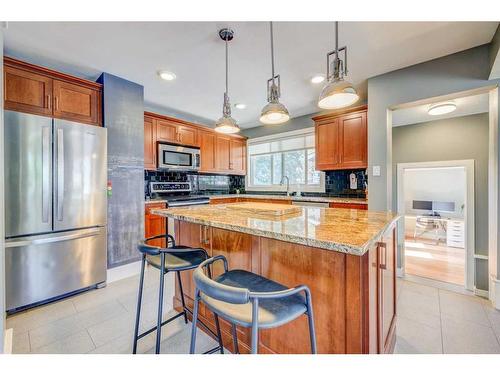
pixel 341 140
pixel 166 131
pixel 237 156
pixel 222 153
pixel 357 206
pixel 34 89
pixel 149 143
pixel 154 225
pixel 27 92
pixel 207 151
pixel 188 135
pixel 76 103
pixel 172 132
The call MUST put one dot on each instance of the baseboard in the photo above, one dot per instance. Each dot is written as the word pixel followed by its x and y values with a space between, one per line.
pixel 7 341
pixel 123 272
pixel 482 293
pixel 495 292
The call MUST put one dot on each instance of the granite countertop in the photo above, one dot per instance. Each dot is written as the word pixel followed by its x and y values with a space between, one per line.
pixel 343 230
pixel 282 197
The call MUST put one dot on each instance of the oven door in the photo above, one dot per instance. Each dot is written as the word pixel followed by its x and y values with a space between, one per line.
pixel 178 157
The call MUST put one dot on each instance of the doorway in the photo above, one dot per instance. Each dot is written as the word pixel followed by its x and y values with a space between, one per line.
pixel 436 200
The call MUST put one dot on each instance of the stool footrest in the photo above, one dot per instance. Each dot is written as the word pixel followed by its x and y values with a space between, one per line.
pixel 211 351
pixel 162 324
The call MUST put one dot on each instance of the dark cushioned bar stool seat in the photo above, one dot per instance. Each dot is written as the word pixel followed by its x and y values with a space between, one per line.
pixel 176 259
pixel 249 300
pixel 272 312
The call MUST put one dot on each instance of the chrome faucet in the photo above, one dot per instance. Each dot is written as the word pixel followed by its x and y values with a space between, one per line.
pixel 287 184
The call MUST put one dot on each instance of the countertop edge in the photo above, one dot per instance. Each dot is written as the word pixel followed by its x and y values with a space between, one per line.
pixel 332 246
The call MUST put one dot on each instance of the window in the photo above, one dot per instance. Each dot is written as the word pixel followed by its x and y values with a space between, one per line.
pixel 290 154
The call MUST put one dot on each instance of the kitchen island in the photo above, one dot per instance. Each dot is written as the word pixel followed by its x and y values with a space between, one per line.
pixel 347 257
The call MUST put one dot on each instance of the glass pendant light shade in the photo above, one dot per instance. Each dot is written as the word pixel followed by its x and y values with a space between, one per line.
pixel 274 112
pixel 226 124
pixel 337 94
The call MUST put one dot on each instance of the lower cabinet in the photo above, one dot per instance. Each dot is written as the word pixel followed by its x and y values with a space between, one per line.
pixel 155 225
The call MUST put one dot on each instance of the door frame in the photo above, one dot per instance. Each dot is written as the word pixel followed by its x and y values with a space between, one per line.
pixel 469 218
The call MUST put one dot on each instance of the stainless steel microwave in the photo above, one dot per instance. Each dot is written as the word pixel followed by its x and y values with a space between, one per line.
pixel 178 157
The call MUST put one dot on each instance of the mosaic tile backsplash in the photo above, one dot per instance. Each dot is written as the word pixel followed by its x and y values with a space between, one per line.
pixel 336 183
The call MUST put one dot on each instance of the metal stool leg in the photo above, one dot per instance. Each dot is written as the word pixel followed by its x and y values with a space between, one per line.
pixel 160 303
pixel 310 319
pixel 219 334
pixel 195 321
pixel 182 297
pixel 255 326
pixel 139 302
pixel 235 339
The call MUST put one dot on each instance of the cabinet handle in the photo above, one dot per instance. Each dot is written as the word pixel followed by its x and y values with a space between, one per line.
pixel 56 104
pixel 383 246
pixel 49 106
pixel 202 239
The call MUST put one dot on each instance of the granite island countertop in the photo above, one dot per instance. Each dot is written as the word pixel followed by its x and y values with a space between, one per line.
pixel 280 197
pixel 344 230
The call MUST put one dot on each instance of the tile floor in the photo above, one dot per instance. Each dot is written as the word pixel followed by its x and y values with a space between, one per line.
pixel 430 320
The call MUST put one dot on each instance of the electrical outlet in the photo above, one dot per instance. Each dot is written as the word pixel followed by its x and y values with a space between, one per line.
pixel 376 170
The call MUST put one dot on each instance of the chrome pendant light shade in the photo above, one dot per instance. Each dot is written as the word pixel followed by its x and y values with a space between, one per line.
pixel 338 92
pixel 226 124
pixel 274 112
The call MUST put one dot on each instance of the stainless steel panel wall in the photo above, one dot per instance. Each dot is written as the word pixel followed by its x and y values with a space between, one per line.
pixel 80 178
pixel 28 174
pixel 124 118
pixel 46 266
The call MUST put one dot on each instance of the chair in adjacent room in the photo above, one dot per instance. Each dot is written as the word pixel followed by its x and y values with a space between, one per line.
pixel 249 300
pixel 172 258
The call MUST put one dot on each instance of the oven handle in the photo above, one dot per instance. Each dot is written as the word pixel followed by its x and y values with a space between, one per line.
pixel 183 204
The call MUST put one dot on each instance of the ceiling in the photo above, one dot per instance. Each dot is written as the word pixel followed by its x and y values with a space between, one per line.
pixel 194 52
pixel 468 105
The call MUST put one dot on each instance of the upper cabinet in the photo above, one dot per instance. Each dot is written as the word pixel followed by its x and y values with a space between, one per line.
pixel 32 89
pixel 341 140
pixel 219 153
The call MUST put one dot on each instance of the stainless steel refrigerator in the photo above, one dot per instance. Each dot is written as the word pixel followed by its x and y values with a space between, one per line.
pixel 55 208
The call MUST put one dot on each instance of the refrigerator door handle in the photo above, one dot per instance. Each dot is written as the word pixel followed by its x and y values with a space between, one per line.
pixel 41 241
pixel 60 173
pixel 45 173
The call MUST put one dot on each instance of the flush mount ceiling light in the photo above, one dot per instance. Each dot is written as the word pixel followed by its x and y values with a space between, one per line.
pixel 441 108
pixel 274 112
pixel 318 78
pixel 226 124
pixel 338 92
pixel 166 75
pixel 240 105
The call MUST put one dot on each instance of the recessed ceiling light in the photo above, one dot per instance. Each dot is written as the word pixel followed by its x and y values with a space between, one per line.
pixel 441 108
pixel 166 75
pixel 240 105
pixel 318 78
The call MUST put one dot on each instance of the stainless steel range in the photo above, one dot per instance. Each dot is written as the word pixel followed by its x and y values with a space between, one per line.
pixel 176 194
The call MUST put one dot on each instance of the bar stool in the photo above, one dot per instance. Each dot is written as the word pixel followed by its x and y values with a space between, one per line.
pixel 173 258
pixel 249 300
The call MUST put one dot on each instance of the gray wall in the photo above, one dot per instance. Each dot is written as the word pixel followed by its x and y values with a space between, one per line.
pixel 2 212
pixel 457 138
pixel 124 118
pixel 294 124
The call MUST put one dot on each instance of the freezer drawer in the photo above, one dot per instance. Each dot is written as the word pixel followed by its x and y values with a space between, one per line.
pixel 43 267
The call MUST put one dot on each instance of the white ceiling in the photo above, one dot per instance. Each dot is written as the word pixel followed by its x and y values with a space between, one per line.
pixel 194 52
pixel 468 105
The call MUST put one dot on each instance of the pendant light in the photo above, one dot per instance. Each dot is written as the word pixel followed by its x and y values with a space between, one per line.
pixel 274 112
pixel 338 92
pixel 226 124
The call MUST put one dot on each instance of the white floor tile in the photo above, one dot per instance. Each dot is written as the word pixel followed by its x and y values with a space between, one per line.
pixel 77 343
pixel 463 308
pixel 416 338
pixel 468 338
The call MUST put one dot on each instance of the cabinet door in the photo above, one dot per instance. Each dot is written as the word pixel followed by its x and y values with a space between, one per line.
pixel 222 153
pixel 187 135
pixel 387 291
pixel 237 156
pixel 353 144
pixel 155 225
pixel 76 103
pixel 166 131
pixel 327 145
pixel 149 143
pixel 27 92
pixel 207 151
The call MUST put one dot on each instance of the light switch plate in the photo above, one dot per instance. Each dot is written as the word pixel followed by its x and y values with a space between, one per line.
pixel 376 170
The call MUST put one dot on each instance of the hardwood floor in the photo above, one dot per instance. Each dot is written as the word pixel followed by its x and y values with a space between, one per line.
pixel 437 262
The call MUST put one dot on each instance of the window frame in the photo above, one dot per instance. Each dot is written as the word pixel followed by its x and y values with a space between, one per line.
pixel 320 188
